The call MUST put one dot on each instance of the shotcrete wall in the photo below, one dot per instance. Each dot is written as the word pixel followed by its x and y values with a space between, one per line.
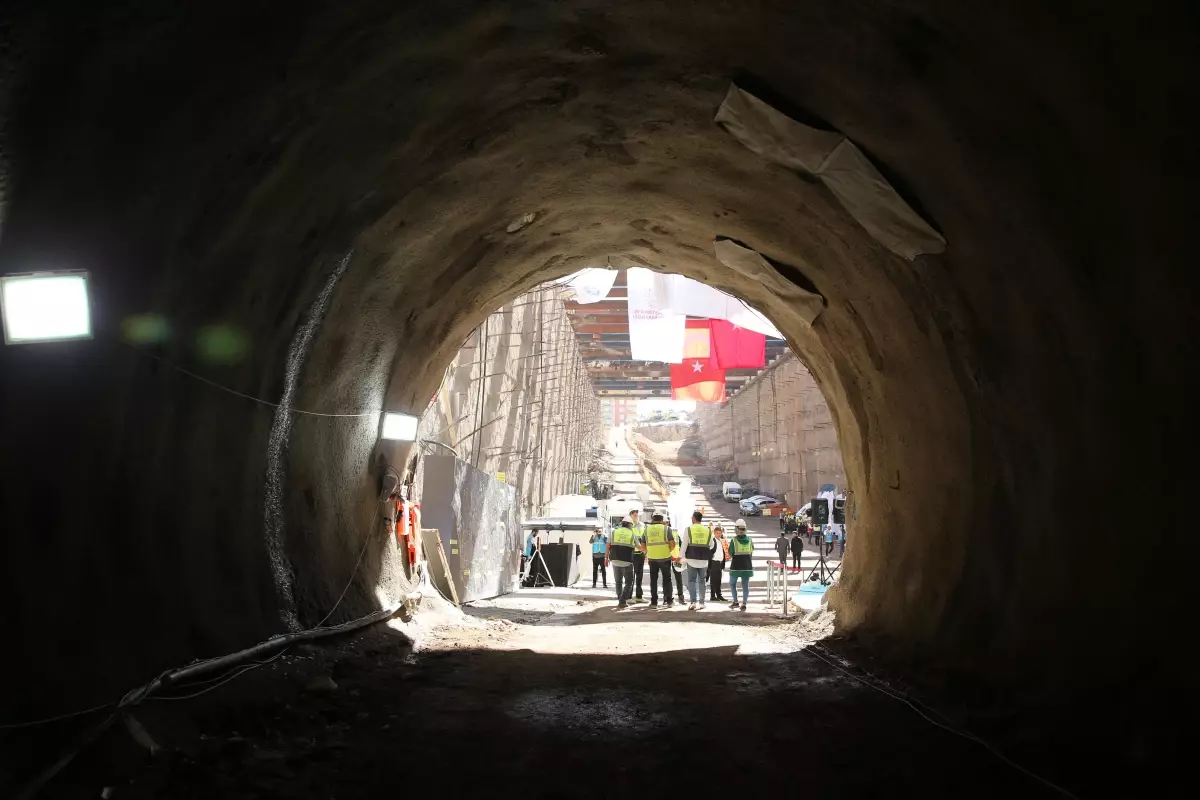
pixel 223 164
pixel 776 433
pixel 516 401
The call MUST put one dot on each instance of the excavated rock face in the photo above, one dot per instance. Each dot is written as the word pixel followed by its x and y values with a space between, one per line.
pixel 997 405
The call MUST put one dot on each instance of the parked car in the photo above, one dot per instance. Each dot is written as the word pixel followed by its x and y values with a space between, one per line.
pixel 753 506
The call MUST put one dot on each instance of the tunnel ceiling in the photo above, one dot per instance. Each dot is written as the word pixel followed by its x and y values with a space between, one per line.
pixel 230 164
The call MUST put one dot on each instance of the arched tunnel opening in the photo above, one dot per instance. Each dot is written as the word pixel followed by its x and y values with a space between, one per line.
pixel 311 208
pixel 594 405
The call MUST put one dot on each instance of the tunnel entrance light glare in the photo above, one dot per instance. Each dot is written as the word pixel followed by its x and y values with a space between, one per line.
pixel 45 307
pixel 399 427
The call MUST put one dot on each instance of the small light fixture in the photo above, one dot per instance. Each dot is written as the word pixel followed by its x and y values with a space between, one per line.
pixel 45 307
pixel 399 427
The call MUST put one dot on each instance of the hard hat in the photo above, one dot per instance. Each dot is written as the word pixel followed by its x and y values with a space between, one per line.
pixel 741 523
pixel 627 521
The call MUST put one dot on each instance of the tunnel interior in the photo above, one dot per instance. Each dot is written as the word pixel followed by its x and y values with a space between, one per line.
pixel 351 189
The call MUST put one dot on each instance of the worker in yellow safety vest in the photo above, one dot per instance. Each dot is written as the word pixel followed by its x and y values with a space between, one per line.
pixel 658 545
pixel 697 543
pixel 639 555
pixel 620 556
pixel 677 569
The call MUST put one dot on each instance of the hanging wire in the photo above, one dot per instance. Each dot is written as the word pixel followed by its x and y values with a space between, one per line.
pixel 243 395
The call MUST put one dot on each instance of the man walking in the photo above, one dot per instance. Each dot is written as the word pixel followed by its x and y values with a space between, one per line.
pixel 716 565
pixel 620 555
pixel 599 557
pixel 697 544
pixel 658 546
pixel 783 547
pixel 639 554
pixel 741 564
pixel 797 548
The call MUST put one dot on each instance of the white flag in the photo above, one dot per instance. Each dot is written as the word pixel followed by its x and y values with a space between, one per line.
pixel 655 332
pixel 592 284
pixel 697 299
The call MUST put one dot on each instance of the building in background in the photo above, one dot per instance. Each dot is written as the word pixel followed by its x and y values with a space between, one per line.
pixel 618 410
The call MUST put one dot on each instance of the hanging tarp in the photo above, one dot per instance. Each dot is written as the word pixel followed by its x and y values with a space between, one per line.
pixel 655 332
pixel 838 163
pixel 592 285
pixel 698 299
pixel 681 504
pixel 751 265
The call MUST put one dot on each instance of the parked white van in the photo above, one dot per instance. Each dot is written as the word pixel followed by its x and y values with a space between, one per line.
pixel 731 491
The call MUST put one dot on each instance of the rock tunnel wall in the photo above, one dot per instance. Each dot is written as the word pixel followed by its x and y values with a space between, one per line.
pixel 215 165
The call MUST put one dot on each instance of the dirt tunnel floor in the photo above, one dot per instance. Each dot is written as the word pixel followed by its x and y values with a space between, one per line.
pixel 559 695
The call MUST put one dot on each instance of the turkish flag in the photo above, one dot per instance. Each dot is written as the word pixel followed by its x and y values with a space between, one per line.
pixel 696 378
pixel 736 348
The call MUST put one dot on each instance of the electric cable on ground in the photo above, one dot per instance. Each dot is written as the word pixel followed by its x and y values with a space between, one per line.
pixel 812 651
pixel 141 693
pixel 357 564
pixel 34 722
pixel 224 679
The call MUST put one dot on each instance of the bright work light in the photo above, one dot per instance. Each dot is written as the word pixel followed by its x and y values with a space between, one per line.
pixel 45 307
pixel 399 427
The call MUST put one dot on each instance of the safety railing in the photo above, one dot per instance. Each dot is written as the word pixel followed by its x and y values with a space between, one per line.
pixel 777 576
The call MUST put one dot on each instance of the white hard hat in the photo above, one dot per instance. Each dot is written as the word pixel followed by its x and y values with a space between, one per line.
pixel 741 523
pixel 627 521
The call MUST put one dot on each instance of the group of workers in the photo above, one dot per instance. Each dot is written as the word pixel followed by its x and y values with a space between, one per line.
pixel 699 553
pixel 794 526
pixel 789 542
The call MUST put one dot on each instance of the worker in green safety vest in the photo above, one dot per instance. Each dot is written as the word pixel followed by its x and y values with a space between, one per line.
pixel 620 557
pixel 741 565
pixel 697 543
pixel 658 545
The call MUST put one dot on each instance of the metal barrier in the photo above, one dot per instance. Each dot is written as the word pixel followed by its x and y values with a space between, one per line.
pixel 784 570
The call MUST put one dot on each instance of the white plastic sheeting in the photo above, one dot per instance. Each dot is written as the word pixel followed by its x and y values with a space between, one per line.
pixel 681 504
pixel 656 333
pixel 592 285
pixel 701 300
pixel 659 303
pixel 839 164
pixel 751 265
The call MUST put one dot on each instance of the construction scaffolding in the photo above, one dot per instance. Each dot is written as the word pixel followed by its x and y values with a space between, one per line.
pixel 516 402
pixel 775 434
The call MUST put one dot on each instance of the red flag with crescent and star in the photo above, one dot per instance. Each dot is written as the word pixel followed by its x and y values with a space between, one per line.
pixel 695 378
